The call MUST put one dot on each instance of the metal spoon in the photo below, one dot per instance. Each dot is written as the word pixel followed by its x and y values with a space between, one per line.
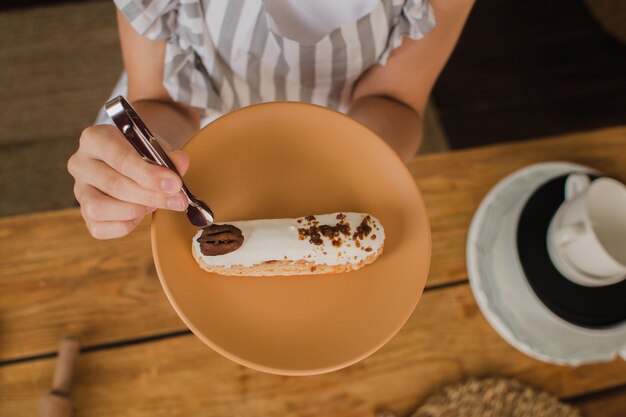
pixel 136 132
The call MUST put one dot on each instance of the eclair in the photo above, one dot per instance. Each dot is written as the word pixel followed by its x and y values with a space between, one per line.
pixel 320 244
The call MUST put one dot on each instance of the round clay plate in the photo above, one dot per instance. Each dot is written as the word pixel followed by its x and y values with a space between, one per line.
pixel 279 160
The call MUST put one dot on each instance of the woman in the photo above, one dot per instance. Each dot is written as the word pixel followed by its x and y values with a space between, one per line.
pixel 191 60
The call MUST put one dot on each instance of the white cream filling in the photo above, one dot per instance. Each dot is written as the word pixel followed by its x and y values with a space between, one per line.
pixel 279 240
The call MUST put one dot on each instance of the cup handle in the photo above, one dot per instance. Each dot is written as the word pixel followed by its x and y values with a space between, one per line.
pixel 575 184
pixel 567 234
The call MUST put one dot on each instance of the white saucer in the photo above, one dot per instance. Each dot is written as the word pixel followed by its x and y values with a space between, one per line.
pixel 502 291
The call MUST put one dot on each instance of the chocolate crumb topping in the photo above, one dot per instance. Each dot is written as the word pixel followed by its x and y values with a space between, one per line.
pixel 337 234
pixel 315 239
pixel 344 228
pixel 315 231
pixel 220 239
pixel 332 232
pixel 312 233
pixel 363 229
pixel 327 231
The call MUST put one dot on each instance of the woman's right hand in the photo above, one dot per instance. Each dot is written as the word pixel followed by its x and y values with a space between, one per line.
pixel 116 187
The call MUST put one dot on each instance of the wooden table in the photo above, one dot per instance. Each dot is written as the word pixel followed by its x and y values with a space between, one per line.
pixel 140 360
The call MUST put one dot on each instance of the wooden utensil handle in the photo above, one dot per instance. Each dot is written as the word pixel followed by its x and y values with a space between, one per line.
pixel 55 406
pixel 64 372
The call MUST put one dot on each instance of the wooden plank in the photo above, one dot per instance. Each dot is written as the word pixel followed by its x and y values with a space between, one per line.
pixel 55 279
pixel 453 184
pixel 609 403
pixel 445 341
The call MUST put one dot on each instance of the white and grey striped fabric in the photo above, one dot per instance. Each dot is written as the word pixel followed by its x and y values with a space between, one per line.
pixel 226 54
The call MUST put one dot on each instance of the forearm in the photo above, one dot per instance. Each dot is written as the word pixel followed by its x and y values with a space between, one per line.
pixel 169 121
pixel 398 124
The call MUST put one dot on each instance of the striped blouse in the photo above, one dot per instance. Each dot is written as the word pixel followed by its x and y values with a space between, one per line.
pixel 224 54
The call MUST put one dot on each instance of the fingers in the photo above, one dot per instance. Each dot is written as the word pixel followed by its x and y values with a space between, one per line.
pixel 108 145
pixel 116 187
pixel 99 207
pixel 181 160
pixel 111 230
pixel 108 218
pixel 112 183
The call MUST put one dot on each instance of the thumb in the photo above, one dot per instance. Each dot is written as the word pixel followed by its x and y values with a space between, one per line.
pixel 181 160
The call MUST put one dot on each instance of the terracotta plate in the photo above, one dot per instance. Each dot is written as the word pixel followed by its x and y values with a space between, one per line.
pixel 280 160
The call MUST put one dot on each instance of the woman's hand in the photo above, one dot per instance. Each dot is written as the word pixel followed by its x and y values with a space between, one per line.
pixel 116 187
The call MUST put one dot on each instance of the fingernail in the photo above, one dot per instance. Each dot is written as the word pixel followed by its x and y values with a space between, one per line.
pixel 169 185
pixel 175 203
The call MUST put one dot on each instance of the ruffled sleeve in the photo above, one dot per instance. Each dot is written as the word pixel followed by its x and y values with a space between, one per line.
pixel 185 76
pixel 154 19
pixel 416 19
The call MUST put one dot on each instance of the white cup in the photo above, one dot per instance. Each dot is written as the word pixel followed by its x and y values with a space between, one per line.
pixel 587 235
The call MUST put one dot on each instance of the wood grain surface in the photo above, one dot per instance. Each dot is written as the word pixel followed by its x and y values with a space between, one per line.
pixel 610 403
pixel 445 341
pixel 56 280
pixel 453 184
